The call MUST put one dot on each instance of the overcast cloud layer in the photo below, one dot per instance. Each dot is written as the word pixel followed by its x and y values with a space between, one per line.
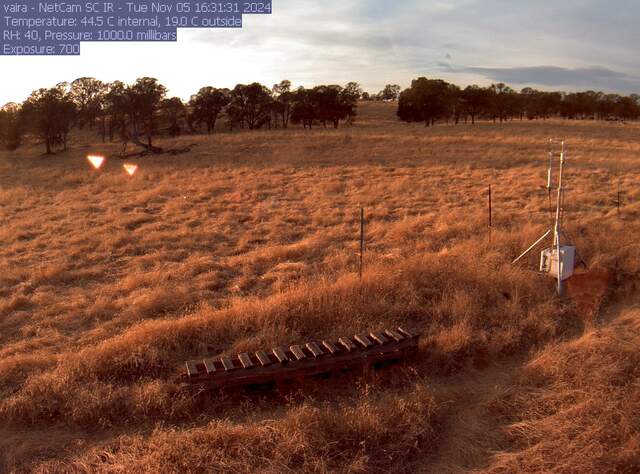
pixel 568 45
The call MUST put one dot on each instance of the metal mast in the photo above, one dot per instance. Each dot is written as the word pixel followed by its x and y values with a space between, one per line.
pixel 558 224
pixel 556 230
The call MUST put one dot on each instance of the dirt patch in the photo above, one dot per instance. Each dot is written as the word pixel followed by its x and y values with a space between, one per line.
pixel 588 291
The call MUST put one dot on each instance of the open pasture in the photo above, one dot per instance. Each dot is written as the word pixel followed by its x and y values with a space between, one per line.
pixel 108 283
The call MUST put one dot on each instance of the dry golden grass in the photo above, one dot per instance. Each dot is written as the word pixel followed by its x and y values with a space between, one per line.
pixel 577 404
pixel 108 283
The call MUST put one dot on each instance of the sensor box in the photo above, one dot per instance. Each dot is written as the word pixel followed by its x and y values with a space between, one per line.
pixel 549 261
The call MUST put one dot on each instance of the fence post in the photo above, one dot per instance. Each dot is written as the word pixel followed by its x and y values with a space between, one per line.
pixel 361 241
pixel 490 209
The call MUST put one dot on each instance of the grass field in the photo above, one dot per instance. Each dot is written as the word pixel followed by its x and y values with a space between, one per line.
pixel 108 283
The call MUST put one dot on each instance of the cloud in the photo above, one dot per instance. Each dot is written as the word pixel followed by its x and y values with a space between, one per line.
pixel 444 66
pixel 546 44
pixel 594 77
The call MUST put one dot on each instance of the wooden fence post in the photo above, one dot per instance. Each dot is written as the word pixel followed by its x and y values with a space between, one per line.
pixel 361 241
pixel 490 209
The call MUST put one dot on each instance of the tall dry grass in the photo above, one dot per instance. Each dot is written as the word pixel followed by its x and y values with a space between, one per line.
pixel 107 284
pixel 576 405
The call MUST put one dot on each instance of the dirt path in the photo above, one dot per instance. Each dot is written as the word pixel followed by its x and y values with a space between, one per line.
pixel 474 428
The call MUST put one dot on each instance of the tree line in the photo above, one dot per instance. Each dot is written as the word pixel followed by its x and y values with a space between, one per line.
pixel 140 111
pixel 434 100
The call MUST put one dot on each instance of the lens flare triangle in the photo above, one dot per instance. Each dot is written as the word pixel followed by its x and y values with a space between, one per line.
pixel 96 160
pixel 130 169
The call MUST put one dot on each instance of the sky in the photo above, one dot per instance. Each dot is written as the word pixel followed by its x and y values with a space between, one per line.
pixel 548 44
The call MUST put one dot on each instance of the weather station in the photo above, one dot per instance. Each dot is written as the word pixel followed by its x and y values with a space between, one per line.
pixel 557 261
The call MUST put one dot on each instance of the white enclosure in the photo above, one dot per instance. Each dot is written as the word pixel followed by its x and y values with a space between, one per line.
pixel 549 261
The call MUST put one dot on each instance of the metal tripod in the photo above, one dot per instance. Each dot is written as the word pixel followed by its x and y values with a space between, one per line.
pixel 556 229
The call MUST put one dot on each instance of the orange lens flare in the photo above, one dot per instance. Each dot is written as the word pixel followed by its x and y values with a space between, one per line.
pixel 96 160
pixel 130 169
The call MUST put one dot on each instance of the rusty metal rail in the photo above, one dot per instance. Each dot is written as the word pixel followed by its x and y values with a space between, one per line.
pixel 362 351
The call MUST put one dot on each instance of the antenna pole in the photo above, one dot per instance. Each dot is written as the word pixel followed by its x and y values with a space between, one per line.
pixel 558 224
pixel 550 175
